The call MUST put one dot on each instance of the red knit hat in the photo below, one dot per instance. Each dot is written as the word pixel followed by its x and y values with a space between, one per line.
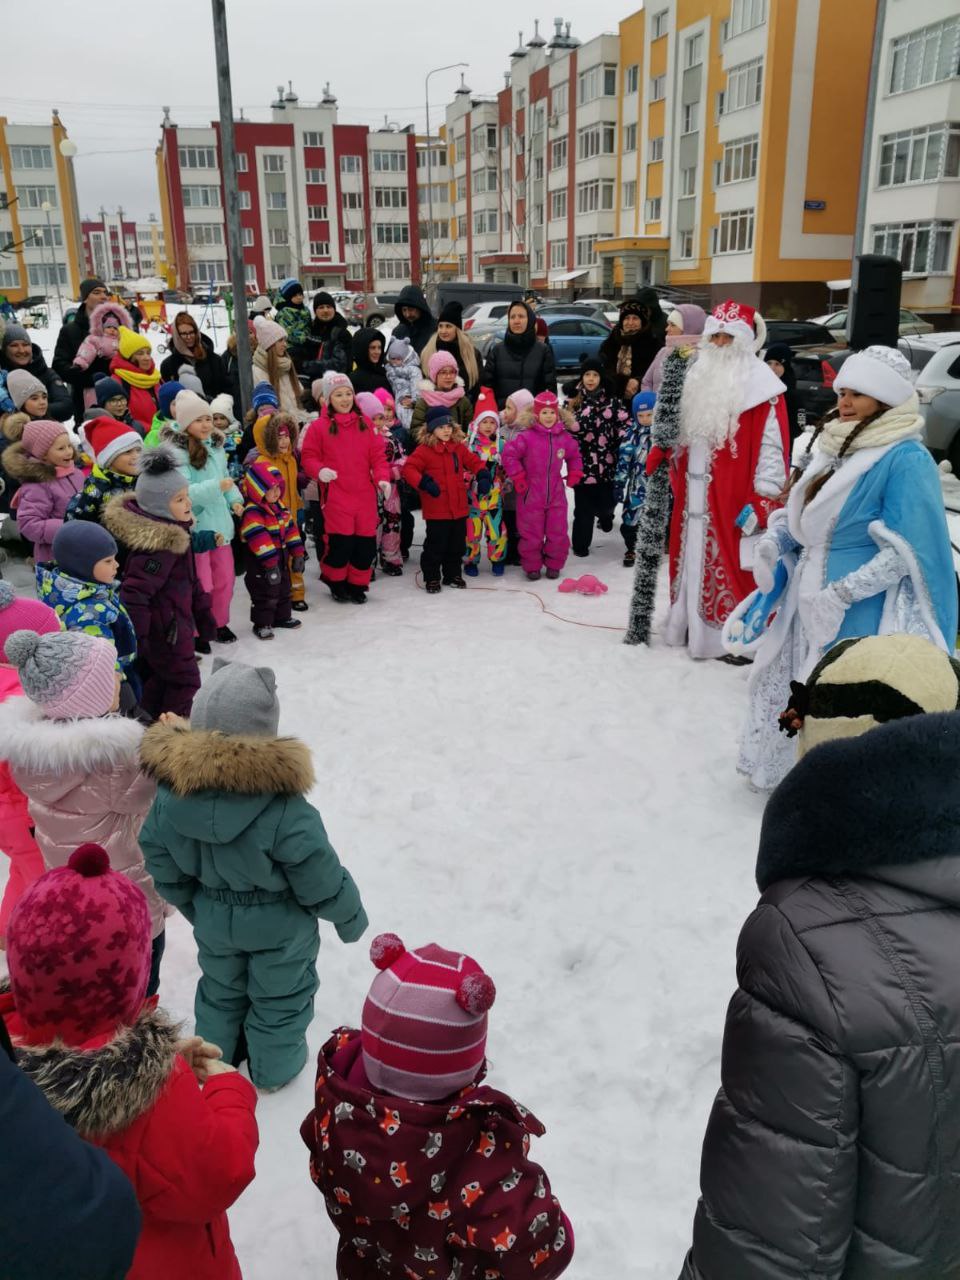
pixel 424 1030
pixel 78 949
pixel 486 405
pixel 108 438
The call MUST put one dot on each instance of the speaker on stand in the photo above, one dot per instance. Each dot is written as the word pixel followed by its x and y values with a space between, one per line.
pixel 873 318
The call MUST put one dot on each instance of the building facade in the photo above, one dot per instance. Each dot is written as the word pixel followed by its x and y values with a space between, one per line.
pixel 40 240
pixel 118 249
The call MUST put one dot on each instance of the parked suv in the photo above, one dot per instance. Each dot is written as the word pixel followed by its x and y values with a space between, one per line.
pixel 938 390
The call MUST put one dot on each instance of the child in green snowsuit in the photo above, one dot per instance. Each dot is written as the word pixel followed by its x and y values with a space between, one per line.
pixel 232 842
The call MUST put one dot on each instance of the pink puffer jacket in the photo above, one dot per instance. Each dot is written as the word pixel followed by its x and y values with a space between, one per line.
pixel 83 782
pixel 13 803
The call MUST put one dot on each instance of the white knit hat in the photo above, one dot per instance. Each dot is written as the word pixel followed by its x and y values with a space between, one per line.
pixel 188 407
pixel 333 379
pixel 880 372
pixel 222 404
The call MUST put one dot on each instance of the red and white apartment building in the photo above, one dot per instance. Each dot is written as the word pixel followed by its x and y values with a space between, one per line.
pixel 117 248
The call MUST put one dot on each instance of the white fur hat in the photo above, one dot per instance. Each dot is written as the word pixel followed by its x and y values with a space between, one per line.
pixel 881 372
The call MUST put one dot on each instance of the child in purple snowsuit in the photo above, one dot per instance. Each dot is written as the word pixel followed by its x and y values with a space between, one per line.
pixel 160 587
pixel 534 462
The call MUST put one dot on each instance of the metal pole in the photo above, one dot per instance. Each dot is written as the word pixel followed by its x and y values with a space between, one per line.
pixel 451 66
pixel 228 159
pixel 56 269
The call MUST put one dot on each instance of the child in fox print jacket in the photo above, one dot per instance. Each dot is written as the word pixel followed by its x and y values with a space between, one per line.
pixel 425 1170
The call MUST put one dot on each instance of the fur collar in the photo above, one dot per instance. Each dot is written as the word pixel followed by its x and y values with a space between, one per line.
pixel 102 1091
pixel 888 798
pixel 25 468
pixel 141 532
pixel 190 760
pixel 170 433
pixel 12 424
pixel 28 740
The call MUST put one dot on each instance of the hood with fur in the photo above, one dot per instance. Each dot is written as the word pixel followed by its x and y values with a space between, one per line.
pixel 140 532
pixel 192 760
pixel 12 424
pixel 24 467
pixel 170 433
pixel 102 1091
pixel 266 433
pixel 104 309
pixel 29 741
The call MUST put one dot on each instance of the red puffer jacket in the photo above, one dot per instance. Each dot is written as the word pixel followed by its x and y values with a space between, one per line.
pixel 445 462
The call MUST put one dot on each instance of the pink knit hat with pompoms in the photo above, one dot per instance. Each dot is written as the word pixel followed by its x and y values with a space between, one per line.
pixel 20 613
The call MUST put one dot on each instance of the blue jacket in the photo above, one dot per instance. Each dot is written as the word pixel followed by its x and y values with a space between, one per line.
pixel 211 505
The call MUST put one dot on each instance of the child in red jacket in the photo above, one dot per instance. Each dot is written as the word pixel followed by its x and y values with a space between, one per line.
pixel 178 1122
pixel 424 1169
pixel 437 468
pixel 345 454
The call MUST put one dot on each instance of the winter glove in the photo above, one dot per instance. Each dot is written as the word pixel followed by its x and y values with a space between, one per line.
pixel 273 577
pixel 384 487
pixel 484 483
pixel 521 484
pixel 298 564
pixel 574 478
pixel 655 457
pixel 429 485
pixel 326 474
pixel 827 612
pixel 766 556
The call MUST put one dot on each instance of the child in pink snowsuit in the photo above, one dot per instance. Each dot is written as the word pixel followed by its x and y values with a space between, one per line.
pixel 534 462
pixel 16 825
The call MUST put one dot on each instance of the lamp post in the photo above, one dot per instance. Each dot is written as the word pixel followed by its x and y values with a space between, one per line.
pixel 46 207
pixel 451 66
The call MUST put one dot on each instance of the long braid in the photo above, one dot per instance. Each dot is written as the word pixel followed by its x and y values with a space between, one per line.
pixel 861 426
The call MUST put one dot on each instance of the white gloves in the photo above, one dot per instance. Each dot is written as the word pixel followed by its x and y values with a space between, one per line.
pixel 384 487
pixel 826 615
pixel 766 556
pixel 326 474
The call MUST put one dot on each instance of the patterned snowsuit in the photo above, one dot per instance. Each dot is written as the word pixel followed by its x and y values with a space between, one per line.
pixel 271 541
pixel 631 479
pixel 485 518
pixel 537 454
pixel 95 608
pixel 390 508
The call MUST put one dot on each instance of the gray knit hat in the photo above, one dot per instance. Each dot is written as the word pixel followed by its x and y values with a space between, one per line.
pixel 159 480
pixel 22 385
pixel 238 699
pixel 13 333
pixel 67 674
pixel 189 380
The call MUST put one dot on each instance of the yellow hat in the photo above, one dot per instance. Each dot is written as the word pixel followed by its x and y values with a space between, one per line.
pixel 131 342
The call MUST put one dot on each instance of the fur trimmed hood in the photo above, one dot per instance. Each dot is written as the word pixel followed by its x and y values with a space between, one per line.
pixel 170 433
pixel 28 740
pixel 104 309
pixel 266 433
pixel 192 760
pixel 102 1091
pixel 887 799
pixel 422 436
pixel 140 532
pixel 23 467
pixel 12 425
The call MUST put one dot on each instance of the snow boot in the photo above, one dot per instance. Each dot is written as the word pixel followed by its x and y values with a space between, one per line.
pixel 356 594
pixel 471 570
pixel 299 606
pixel 339 591
pixel 392 570
pixel 459 581
pixel 629 559
pixel 432 588
pixel 289 623
pixel 533 575
pixel 263 633
pixel 553 573
pixel 497 569
pixel 225 636
pixel 201 646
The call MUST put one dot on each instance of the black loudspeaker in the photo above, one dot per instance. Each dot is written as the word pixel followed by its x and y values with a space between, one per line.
pixel 874 317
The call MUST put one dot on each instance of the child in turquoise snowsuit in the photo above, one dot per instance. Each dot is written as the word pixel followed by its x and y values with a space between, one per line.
pixel 630 481
pixel 485 519
pixel 233 842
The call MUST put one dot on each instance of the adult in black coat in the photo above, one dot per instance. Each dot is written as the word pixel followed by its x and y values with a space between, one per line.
pixel 72 333
pixel 779 357
pixel 330 345
pixel 18 352
pixel 519 361
pixel 450 337
pixel 369 371
pixel 636 338
pixel 416 319
pixel 833 1147
pixel 192 347
pixel 69 1213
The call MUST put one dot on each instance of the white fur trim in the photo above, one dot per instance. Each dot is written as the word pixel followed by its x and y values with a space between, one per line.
pixel 28 740
pixel 763 384
pixel 885 537
pixel 873 375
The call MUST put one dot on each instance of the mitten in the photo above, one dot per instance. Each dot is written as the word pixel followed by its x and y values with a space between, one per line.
pixel 574 478
pixel 655 457
pixel 766 556
pixel 384 487
pixel 273 577
pixel 521 484
pixel 298 564
pixel 326 474
pixel 429 485
pixel 484 483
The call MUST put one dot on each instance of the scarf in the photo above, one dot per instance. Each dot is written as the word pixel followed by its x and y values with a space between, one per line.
pixel 135 378
pixel 445 398
pixel 284 364
pixel 200 353
pixel 901 423
pixel 68 470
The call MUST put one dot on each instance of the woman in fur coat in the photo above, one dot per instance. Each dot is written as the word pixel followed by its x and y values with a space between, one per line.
pixel 177 1121
pixel 233 843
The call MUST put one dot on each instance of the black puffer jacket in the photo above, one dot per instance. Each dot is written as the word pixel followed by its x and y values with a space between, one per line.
pixel 210 370
pixel 833 1148
pixel 518 362
pixel 71 335
pixel 421 331
pixel 59 398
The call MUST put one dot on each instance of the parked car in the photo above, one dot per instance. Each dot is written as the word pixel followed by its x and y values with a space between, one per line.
pixel 802 333
pixel 480 313
pixel 938 390
pixel 910 323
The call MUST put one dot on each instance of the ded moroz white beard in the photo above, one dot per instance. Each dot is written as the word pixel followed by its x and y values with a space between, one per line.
pixel 713 393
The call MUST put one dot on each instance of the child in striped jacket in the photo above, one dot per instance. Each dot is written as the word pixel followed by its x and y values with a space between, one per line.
pixel 273 548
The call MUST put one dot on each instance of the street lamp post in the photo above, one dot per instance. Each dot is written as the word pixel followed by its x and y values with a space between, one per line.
pixel 451 66
pixel 46 207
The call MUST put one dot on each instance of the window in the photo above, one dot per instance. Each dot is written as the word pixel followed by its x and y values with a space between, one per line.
pixel 629 198
pixel 389 197
pixel 392 268
pixel 595 140
pixel 586 250
pixel 922 247
pixel 202 197
pixel 440 190
pixel 389 161
pixel 688 181
pixel 41 273
pixel 246 234
pixel 595 195
pixel 558 99
pixel 656 149
pixel 209 272
pixel 505 137
pixel 739 160
pixel 9 278
pixel 431 158
pixel 744 16
pixel 538 215
pixel 686 244
pixel 484 136
pixel 653 208
pixel 279 236
pixel 690 117
pixel 352 199
pixel 350 164
pixel 204 233
pixel 353 235
pixel 744 86
pixel 279 270
pixel 484 180
pixel 273 162
pixel 31 157
pixel 735 232
pixel 462 227
pixel 460 147
pixel 441 230
pixel 242 161
pixel 925 56
pixel 920 155
pixel 558 255
pixel 36 197
pixel 484 220
pixel 276 200
pixel 315 175
pixel 312 138
pixel 538 168
pixel 462 187
pixel 198 157
pixel 319 248
pixel 250 273
pixel 244 199
pixel 632 79
pixel 391 232
pixel 658 88
pixel 558 203
pixel 317 212
pixel 596 82
pixel 693 50
pixel 558 153
pixel 659 27
pixel 630 137
pixel 52 237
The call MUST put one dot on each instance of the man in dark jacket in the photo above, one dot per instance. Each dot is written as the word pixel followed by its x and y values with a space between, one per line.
pixel 18 352
pixel 329 344
pixel 72 333
pixel 833 1148
pixel 69 1213
pixel 416 320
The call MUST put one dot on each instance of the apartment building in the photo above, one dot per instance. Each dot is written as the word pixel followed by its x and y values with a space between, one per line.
pixel 434 209
pixel 118 248
pixel 912 209
pixel 40 240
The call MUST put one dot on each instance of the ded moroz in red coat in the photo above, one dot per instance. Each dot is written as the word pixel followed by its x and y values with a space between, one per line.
pixel 447 463
pixel 430 1190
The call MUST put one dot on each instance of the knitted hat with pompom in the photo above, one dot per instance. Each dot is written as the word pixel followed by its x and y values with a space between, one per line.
pixel 67 674
pixel 20 613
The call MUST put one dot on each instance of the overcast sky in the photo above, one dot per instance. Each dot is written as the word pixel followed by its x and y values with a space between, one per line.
pixel 110 68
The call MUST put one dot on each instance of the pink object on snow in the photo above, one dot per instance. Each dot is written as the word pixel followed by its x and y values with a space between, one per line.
pixel 587 585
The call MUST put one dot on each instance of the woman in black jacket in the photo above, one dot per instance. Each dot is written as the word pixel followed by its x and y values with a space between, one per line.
pixel 369 368
pixel 192 347
pixel 18 352
pixel 780 359
pixel 519 361
pixel 636 338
